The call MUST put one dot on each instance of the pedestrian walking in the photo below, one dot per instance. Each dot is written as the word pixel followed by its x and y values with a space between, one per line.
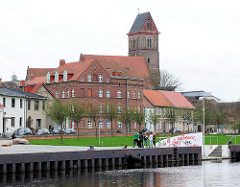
pixel 135 138
pixel 154 139
pixel 145 138
pixel 140 139
pixel 151 140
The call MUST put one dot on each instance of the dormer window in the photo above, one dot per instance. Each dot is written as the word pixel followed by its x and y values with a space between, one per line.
pixel 56 77
pixel 100 78
pixel 48 77
pixel 65 76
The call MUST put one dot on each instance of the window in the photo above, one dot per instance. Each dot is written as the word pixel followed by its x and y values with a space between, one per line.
pixel 160 125
pixel 119 94
pixel 139 95
pixel 135 109
pixel 108 125
pixel 48 77
pixel 4 102
pixel 13 102
pixel 36 105
pixel 65 76
pixel 108 81
pixel 108 108
pixel 89 78
pixel 139 109
pixel 100 108
pixel 128 108
pixel 100 93
pixel 82 79
pixel 13 122
pixel 56 77
pixel 108 94
pixel 119 109
pixel 63 93
pixel 43 105
pixel 57 94
pixel 169 125
pixel 29 104
pixel 21 103
pixel 135 125
pixel 128 94
pixel 163 111
pixel 100 123
pixel 73 93
pixel 89 124
pixel 67 93
pixel 135 95
pixel 38 123
pixel 119 124
pixel 20 122
pixel 100 78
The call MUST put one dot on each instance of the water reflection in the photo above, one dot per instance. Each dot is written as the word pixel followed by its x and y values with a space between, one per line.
pixel 207 174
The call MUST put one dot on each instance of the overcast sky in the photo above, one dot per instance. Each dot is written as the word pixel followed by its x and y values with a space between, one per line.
pixel 199 40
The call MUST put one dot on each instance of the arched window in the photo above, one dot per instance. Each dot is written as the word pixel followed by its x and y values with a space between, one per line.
pixel 48 77
pixel 56 76
pixel 143 42
pixel 65 76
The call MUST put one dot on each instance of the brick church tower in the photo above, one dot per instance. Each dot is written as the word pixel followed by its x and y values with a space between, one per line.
pixel 143 41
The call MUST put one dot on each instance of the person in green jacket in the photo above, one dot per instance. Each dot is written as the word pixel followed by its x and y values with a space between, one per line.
pixel 135 139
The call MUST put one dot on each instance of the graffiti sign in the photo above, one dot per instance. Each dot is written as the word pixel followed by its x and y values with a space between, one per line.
pixel 184 140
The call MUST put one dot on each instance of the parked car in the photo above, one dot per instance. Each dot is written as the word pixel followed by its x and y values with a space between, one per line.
pixel 56 129
pixel 42 131
pixel 22 131
pixel 69 131
pixel 175 130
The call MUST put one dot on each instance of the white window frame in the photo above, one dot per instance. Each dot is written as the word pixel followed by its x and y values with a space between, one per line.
pixel 63 93
pixel 119 124
pixel 56 76
pixel 90 124
pixel 108 125
pixel 100 78
pixel 89 78
pixel 67 93
pixel 57 96
pixel 119 94
pixel 119 108
pixel 134 95
pixel 100 108
pixel 108 93
pixel 139 95
pixel 100 124
pixel 128 94
pixel 135 125
pixel 65 76
pixel 48 77
pixel 73 93
pixel 100 93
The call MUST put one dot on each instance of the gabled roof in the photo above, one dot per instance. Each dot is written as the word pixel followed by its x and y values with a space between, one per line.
pixel 19 93
pixel 132 67
pixel 139 22
pixel 177 99
pixel 156 98
pixel 37 72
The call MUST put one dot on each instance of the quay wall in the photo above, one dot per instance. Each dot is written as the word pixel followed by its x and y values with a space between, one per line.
pixel 11 163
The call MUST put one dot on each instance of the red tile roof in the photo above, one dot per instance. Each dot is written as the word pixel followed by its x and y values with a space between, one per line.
pixel 156 98
pixel 37 80
pixel 133 67
pixel 38 72
pixel 177 99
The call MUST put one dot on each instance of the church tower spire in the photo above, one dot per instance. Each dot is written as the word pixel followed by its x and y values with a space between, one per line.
pixel 143 41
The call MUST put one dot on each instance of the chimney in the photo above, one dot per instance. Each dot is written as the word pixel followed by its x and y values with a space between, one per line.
pixel 61 62
pixel 22 83
pixel 82 58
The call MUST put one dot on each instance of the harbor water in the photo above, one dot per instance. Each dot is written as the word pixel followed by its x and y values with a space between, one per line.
pixel 208 173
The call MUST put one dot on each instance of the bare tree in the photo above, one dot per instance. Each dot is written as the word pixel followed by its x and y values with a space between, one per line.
pixel 110 113
pixel 94 114
pixel 153 118
pixel 166 81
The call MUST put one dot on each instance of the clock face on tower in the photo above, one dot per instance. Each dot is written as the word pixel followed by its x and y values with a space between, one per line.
pixel 149 20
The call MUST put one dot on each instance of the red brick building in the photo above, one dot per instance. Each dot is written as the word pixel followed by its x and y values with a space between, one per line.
pixel 96 79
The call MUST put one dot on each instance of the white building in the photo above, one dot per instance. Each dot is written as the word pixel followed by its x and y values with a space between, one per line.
pixel 15 112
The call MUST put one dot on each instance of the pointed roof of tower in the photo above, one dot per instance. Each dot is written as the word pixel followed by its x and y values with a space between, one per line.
pixel 139 22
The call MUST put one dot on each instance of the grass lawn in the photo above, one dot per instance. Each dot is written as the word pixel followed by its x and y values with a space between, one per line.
pixel 120 141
